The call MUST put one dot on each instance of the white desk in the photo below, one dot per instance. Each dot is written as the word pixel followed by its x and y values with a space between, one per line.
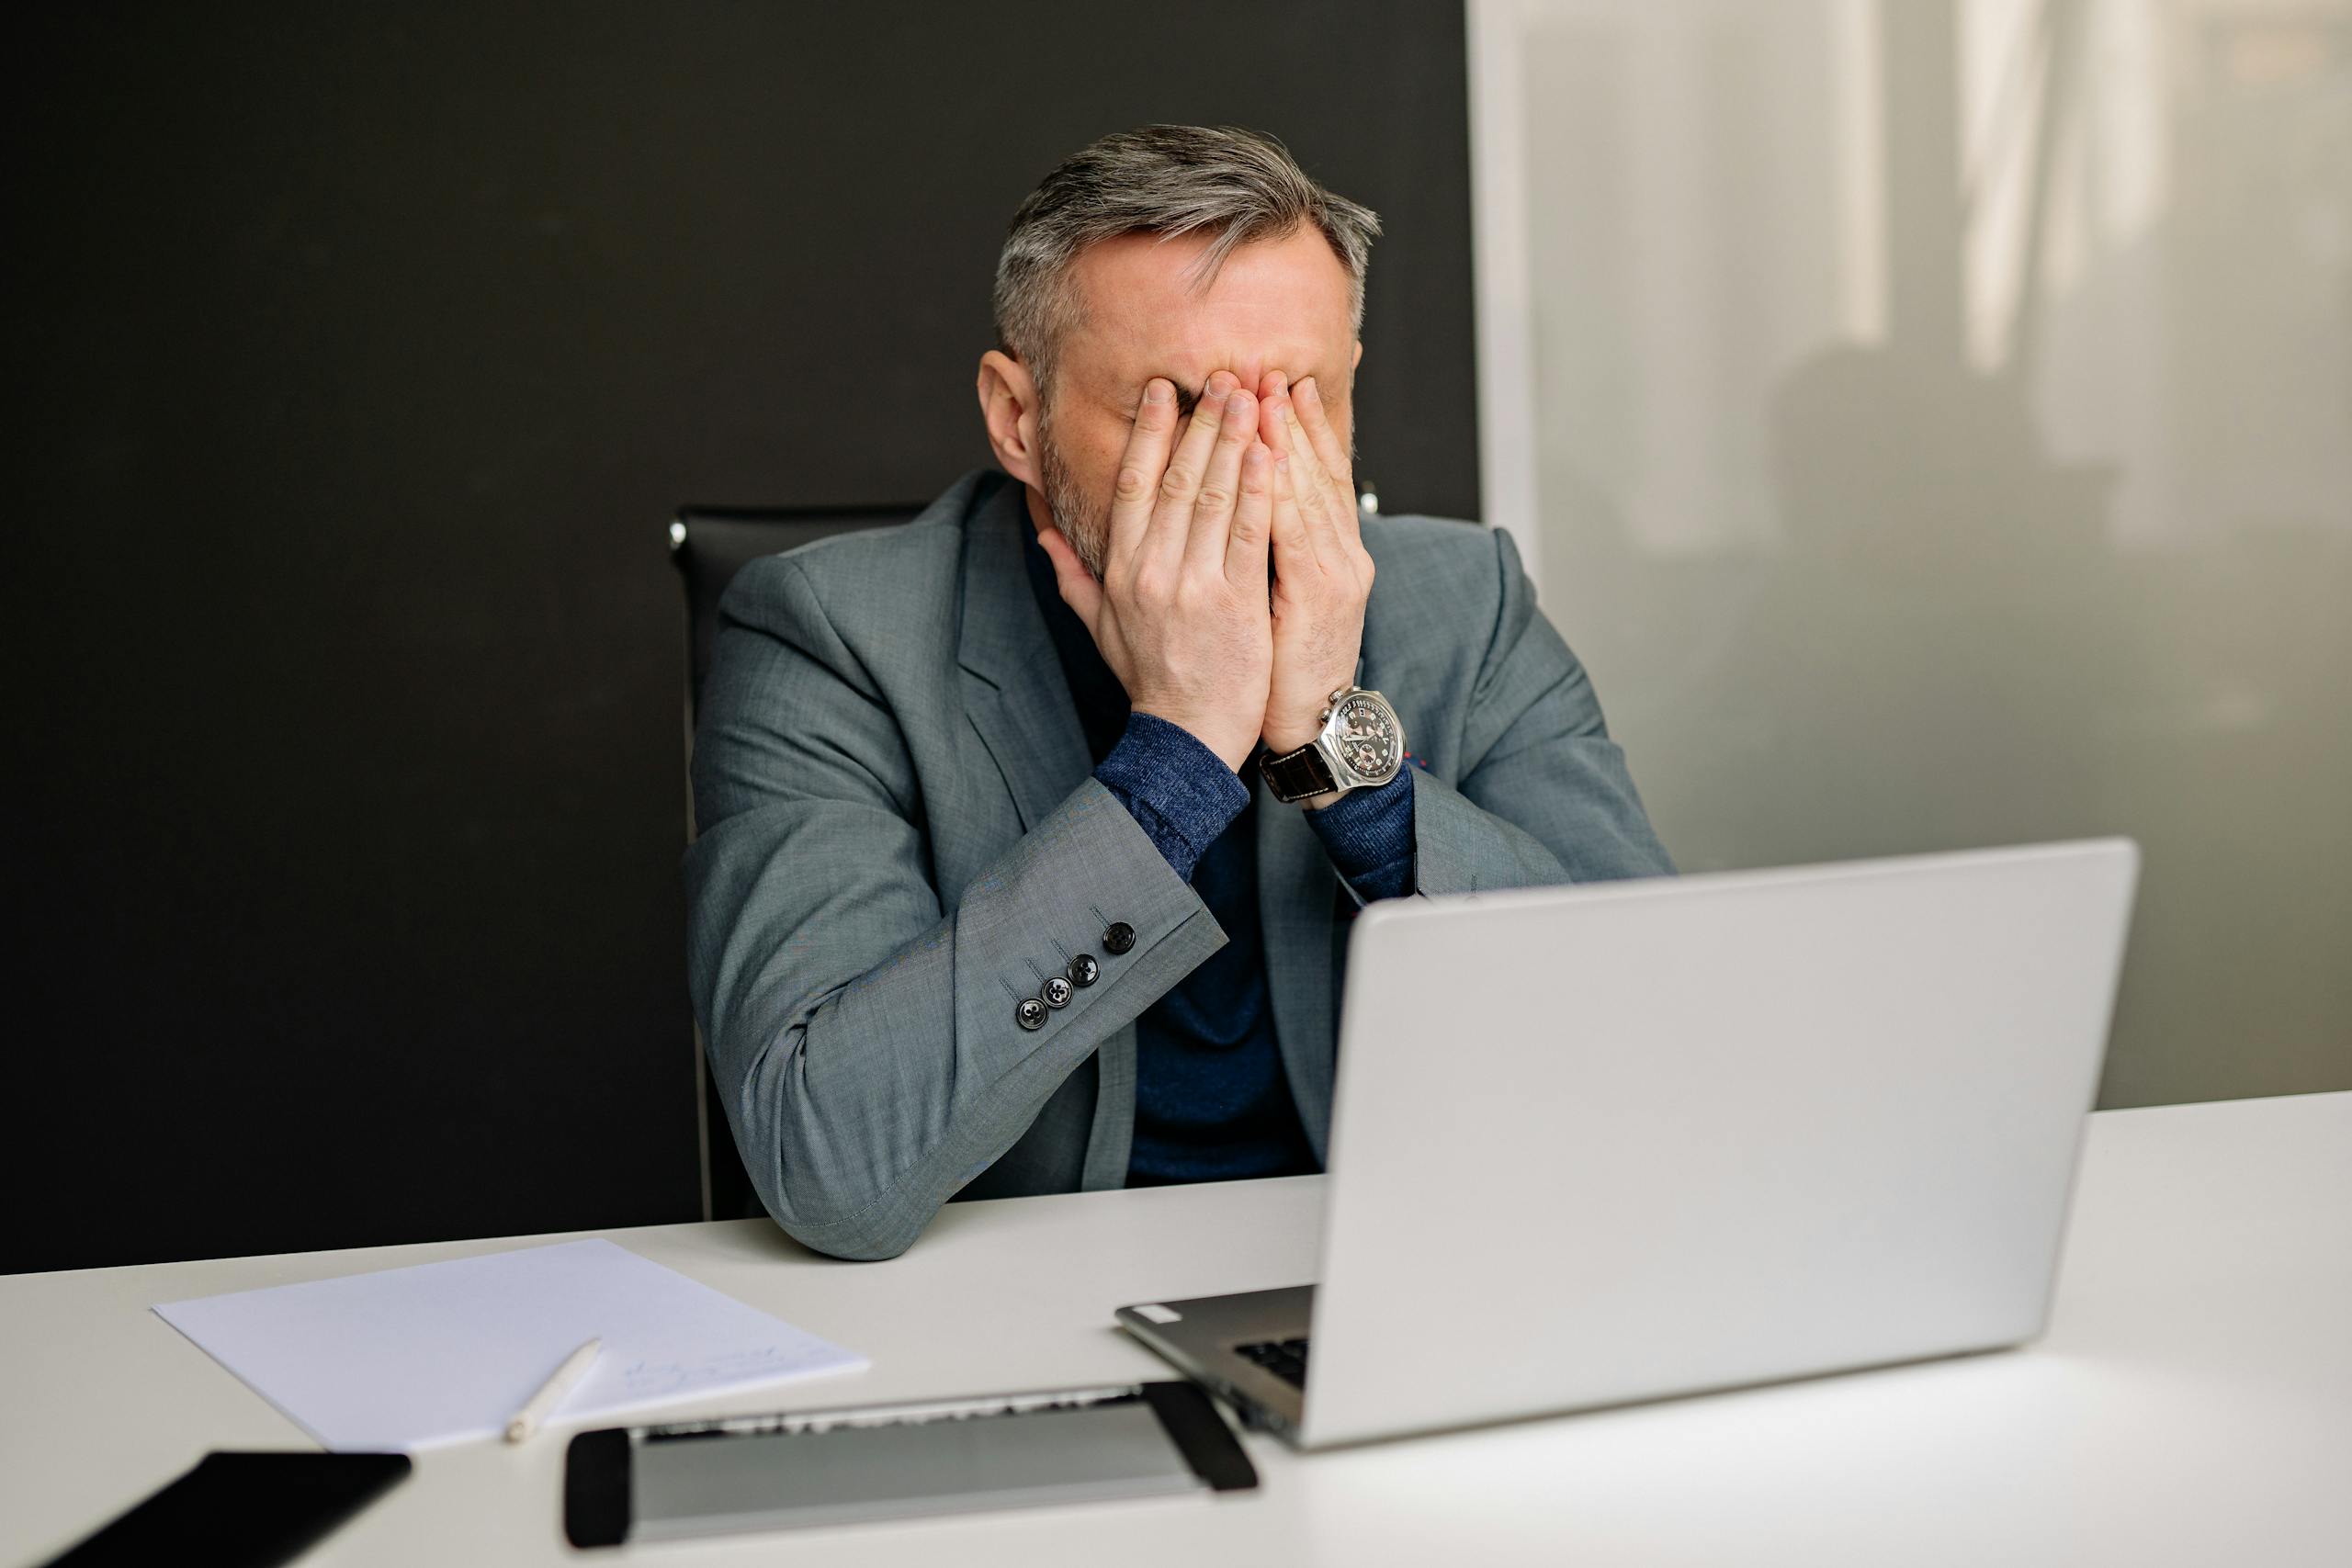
pixel 2192 1403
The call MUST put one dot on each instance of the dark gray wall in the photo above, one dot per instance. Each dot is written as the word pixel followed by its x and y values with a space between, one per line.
pixel 360 356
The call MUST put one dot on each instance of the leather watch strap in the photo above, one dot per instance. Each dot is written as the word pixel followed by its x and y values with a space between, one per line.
pixel 1295 775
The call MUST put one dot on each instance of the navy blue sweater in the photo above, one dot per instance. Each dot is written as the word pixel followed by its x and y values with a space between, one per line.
pixel 1212 1103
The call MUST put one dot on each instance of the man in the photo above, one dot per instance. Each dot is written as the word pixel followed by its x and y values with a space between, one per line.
pixel 1030 830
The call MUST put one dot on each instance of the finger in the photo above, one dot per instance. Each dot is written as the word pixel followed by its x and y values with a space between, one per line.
pixel 1179 486
pixel 1311 493
pixel 1141 466
pixel 1316 494
pixel 1280 431
pixel 1318 497
pixel 1272 429
pixel 1246 541
pixel 1293 551
pixel 1080 591
pixel 1307 398
pixel 1221 488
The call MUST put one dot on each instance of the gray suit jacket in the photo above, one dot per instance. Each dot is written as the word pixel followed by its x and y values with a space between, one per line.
pixel 900 837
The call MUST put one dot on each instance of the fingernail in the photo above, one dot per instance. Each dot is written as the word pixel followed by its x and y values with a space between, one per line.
pixel 1221 383
pixel 1305 393
pixel 1238 404
pixel 1157 390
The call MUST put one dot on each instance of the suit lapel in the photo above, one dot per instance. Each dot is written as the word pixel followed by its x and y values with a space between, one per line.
pixel 1014 688
pixel 1021 708
pixel 1297 884
pixel 1021 705
pixel 1298 888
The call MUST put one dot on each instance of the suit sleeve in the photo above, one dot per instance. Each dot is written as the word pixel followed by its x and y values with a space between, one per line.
pixel 1368 834
pixel 1544 797
pixel 865 1041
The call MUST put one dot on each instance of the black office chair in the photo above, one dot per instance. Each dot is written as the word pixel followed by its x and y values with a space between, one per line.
pixel 708 545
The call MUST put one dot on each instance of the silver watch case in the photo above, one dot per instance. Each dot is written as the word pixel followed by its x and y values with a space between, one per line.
pixel 1334 740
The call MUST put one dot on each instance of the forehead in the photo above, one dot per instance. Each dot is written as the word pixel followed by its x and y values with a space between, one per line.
pixel 1275 304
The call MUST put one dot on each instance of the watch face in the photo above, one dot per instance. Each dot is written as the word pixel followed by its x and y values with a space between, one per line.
pixel 1365 735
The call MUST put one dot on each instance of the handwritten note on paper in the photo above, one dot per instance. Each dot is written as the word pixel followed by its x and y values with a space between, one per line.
pixel 444 1352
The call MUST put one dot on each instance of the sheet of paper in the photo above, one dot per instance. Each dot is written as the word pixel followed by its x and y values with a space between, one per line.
pixel 444 1352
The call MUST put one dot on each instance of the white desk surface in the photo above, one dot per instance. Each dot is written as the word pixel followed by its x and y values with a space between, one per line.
pixel 2191 1404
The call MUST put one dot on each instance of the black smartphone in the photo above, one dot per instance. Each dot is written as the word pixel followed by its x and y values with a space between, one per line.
pixel 243 1510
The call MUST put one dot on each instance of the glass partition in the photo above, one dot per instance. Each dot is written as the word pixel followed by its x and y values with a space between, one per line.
pixel 1931 422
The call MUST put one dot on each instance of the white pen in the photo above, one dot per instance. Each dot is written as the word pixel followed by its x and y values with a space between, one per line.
pixel 534 1409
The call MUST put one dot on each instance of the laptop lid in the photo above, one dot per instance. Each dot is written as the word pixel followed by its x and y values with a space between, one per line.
pixel 1604 1143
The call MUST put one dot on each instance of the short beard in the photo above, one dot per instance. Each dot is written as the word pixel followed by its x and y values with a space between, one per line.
pixel 1085 523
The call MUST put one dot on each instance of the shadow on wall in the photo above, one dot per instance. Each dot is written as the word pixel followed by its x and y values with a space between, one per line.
pixel 1945 612
pixel 1975 469
pixel 1937 564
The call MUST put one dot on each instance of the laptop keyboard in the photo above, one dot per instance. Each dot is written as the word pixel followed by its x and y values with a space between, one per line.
pixel 1286 1358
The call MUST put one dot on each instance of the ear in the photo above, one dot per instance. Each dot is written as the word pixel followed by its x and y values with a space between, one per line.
pixel 1359 358
pixel 1009 409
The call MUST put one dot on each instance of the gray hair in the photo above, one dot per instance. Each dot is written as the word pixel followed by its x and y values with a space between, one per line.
pixel 1239 185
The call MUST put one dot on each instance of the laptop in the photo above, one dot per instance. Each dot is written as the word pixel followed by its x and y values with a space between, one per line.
pixel 1598 1144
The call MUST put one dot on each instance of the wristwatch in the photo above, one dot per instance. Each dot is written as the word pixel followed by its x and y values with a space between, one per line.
pixel 1361 745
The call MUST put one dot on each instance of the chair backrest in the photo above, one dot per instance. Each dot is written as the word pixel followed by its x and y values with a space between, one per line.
pixel 709 544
